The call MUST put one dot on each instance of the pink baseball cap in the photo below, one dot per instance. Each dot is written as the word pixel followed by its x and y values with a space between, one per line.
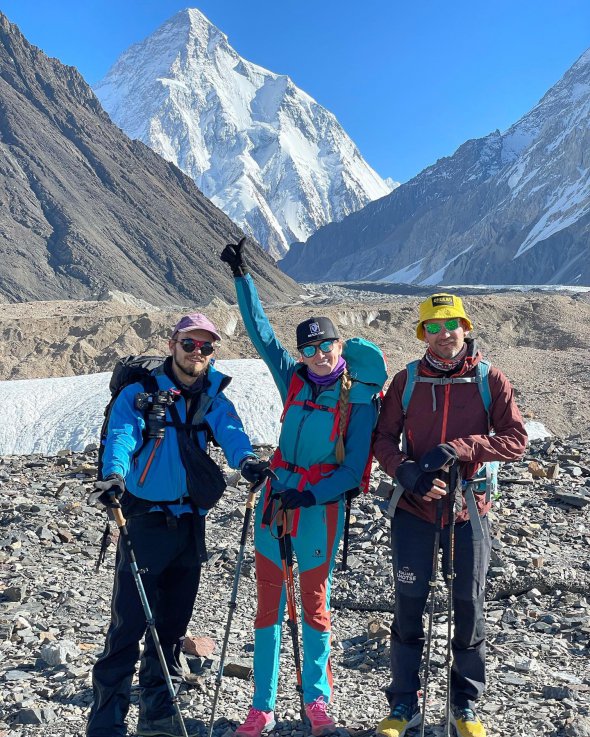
pixel 195 321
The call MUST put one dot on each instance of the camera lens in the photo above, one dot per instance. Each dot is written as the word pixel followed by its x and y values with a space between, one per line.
pixel 156 421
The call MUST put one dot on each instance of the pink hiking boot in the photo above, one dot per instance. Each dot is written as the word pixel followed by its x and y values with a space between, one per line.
pixel 257 723
pixel 319 720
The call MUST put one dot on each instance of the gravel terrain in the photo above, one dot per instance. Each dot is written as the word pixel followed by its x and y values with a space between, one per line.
pixel 54 606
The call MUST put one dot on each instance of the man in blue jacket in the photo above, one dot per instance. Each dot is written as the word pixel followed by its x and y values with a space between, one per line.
pixel 166 526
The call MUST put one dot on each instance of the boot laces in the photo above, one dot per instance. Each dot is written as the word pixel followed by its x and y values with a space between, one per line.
pixel 318 708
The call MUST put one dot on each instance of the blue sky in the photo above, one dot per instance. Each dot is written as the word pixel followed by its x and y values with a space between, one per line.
pixel 409 81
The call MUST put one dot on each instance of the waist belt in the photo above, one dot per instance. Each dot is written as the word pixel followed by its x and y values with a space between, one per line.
pixel 316 472
pixel 471 487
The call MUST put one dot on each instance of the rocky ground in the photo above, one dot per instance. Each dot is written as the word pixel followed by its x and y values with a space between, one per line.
pixel 54 606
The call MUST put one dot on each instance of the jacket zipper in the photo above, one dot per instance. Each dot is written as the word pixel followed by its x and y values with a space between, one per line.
pixel 443 431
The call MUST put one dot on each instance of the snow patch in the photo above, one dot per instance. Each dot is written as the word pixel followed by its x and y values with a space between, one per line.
pixel 407 275
pixel 48 415
pixel 568 204
pixel 536 431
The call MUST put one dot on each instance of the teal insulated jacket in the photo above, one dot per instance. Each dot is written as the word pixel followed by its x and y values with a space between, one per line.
pixel 305 435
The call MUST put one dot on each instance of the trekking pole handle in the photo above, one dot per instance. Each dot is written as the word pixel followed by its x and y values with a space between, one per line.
pixel 118 515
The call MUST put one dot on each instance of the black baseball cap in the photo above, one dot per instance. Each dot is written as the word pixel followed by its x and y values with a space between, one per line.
pixel 316 328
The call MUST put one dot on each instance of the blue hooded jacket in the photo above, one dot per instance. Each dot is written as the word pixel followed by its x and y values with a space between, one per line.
pixel 166 479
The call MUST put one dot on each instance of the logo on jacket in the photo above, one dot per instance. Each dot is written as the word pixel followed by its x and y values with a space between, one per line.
pixel 405 575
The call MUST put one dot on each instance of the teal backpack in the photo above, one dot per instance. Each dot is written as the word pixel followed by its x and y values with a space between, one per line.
pixel 486 479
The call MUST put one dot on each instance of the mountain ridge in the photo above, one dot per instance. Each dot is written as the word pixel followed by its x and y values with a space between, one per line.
pixel 510 207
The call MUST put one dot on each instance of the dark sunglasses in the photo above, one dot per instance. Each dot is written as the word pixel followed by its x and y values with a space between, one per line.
pixel 188 345
pixel 309 351
pixel 435 327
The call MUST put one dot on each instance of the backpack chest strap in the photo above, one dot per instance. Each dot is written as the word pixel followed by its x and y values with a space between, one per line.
pixel 443 381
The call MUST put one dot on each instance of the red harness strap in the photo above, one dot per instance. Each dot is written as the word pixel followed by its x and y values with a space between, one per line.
pixel 310 475
pixel 294 388
pixel 317 471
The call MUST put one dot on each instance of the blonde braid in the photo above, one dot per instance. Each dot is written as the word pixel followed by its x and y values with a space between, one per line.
pixel 345 388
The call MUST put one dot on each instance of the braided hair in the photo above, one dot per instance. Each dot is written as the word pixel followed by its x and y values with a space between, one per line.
pixel 345 388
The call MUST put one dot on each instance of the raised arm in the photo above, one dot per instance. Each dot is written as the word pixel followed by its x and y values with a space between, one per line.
pixel 278 359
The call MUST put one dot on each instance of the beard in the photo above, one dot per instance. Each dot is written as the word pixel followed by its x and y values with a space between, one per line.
pixel 193 370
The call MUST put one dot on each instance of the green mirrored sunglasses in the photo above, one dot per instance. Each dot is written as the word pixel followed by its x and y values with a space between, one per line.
pixel 309 351
pixel 435 327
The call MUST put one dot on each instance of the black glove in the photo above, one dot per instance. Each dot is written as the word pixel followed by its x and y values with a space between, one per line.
pixel 293 499
pixel 109 491
pixel 413 479
pixel 254 471
pixel 438 457
pixel 233 255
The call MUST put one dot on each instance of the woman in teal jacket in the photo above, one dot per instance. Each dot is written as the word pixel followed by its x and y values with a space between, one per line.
pixel 324 445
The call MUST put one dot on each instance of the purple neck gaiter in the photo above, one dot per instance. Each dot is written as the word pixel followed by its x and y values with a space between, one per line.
pixel 333 376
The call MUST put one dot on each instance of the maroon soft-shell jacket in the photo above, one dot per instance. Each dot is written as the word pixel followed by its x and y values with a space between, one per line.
pixel 459 419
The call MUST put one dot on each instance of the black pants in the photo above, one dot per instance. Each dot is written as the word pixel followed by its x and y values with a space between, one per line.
pixel 412 542
pixel 169 558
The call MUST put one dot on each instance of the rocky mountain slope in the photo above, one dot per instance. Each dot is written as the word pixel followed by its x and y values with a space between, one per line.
pixel 84 209
pixel 55 607
pixel 278 163
pixel 510 208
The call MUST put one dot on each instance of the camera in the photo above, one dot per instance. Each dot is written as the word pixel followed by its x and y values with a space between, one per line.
pixel 156 404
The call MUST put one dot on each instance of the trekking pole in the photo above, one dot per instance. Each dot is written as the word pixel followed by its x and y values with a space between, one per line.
pixel 453 479
pixel 122 525
pixel 346 533
pixel 286 551
pixel 432 584
pixel 104 542
pixel 234 594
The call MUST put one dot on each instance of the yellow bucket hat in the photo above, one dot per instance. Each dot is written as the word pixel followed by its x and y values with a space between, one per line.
pixel 441 307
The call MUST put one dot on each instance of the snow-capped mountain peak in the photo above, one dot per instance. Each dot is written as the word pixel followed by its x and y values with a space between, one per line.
pixel 278 163
pixel 511 207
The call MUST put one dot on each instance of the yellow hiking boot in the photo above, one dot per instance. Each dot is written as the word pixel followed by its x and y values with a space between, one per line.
pixel 401 718
pixel 466 723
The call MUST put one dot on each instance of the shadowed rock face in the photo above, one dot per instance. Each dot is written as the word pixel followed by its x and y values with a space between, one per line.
pixel 510 208
pixel 84 209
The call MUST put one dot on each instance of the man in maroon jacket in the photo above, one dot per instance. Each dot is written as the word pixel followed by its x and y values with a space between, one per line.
pixel 443 424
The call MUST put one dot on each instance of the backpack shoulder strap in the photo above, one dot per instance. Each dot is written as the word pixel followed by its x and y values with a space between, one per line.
pixel 295 386
pixel 412 370
pixel 483 384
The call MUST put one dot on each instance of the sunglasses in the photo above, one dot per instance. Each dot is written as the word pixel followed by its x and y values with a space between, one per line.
pixel 435 327
pixel 188 345
pixel 309 351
